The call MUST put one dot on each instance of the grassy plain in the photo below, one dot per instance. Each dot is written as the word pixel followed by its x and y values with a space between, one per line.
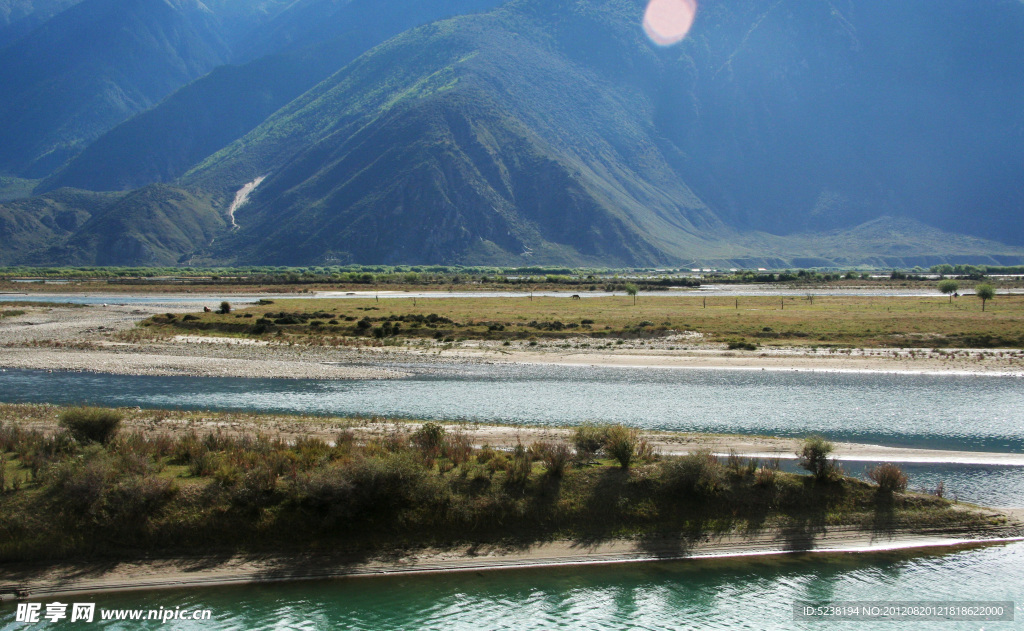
pixel 836 321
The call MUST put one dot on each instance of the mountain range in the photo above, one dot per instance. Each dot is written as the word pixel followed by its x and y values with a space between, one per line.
pixel 783 133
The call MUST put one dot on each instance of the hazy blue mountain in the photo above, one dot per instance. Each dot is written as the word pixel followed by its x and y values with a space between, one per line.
pixel 556 128
pixel 553 131
pixel 19 17
pixel 93 66
pixel 311 40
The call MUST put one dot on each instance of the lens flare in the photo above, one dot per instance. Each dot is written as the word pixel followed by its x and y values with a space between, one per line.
pixel 667 22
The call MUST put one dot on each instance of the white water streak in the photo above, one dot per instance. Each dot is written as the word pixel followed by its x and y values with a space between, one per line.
pixel 241 197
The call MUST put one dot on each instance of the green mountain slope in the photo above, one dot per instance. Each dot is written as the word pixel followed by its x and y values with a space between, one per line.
pixel 155 225
pixel 470 137
pixel 311 40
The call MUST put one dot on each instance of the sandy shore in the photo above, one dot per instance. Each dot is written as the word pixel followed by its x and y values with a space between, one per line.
pixel 39 581
pixel 102 339
pixel 124 362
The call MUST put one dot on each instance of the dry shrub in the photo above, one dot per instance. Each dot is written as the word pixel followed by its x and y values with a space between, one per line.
pixel 764 477
pixel 588 440
pixel 555 456
pixel 888 477
pixel 698 473
pixel 621 444
pixel 457 447
pixel 520 466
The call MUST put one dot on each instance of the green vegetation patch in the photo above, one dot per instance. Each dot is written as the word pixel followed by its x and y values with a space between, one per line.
pixel 126 494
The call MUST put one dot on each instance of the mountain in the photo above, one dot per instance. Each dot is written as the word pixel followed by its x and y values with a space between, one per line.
pixel 553 131
pixel 91 67
pixel 308 42
pixel 155 225
pixel 556 129
pixel 19 17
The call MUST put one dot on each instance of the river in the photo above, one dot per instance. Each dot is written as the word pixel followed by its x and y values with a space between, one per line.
pixel 981 413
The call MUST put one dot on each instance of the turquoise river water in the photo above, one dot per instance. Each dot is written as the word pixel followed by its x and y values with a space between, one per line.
pixel 948 412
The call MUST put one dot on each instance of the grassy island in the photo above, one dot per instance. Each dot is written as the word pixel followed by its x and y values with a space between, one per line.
pixel 93 489
pixel 743 322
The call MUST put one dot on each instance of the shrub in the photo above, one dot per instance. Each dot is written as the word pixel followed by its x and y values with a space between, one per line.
pixel 588 440
pixel 81 483
pixel 428 439
pixel 91 425
pixel 814 457
pixel 888 477
pixel 484 454
pixel 555 456
pixel 328 490
pixel 137 498
pixel 225 308
pixel 520 466
pixel 697 473
pixel 625 445
pixel 385 483
pixel 741 345
pixel 256 488
pixel 202 463
pixel 456 447
pixel 764 477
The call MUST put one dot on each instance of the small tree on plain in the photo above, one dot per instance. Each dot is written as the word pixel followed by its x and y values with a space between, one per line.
pixel 632 290
pixel 225 308
pixel 986 292
pixel 949 287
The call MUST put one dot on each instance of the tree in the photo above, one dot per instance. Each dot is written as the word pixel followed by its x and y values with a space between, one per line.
pixel 814 457
pixel 225 308
pixel 631 289
pixel 949 287
pixel 986 292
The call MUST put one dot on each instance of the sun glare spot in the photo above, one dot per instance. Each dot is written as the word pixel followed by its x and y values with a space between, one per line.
pixel 667 22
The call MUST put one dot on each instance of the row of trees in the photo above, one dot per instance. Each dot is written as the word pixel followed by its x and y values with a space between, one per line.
pixel 983 291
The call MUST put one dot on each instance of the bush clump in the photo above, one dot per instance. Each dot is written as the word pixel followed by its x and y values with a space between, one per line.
pixel 555 456
pixel 698 473
pixel 91 425
pixel 741 345
pixel 588 440
pixel 889 478
pixel 814 457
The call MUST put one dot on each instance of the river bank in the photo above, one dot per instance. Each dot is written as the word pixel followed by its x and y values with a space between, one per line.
pixel 105 339
pixel 263 496
pixel 292 428
pixel 50 581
